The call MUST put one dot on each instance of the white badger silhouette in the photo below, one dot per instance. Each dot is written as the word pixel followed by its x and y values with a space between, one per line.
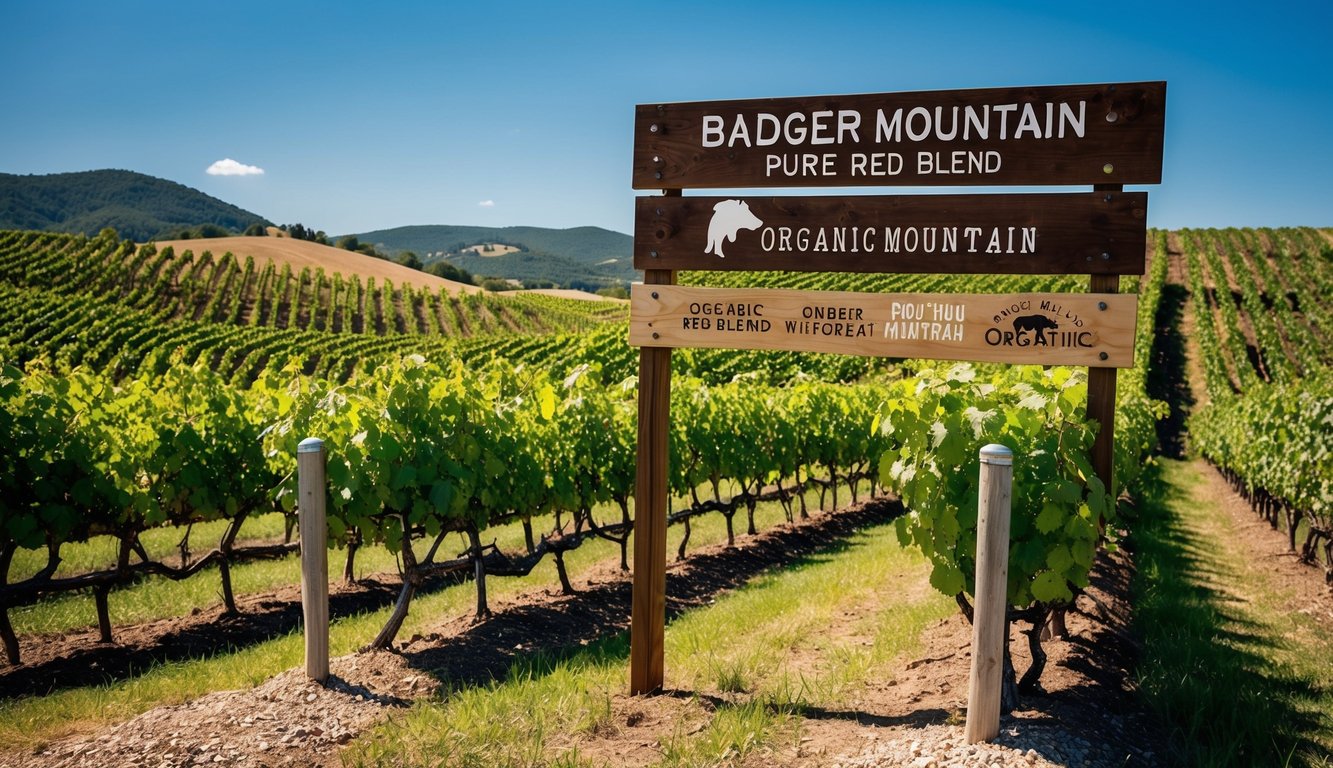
pixel 729 217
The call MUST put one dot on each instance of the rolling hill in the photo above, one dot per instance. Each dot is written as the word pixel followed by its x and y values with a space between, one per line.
pixel 303 253
pixel 581 257
pixel 142 208
pixel 137 206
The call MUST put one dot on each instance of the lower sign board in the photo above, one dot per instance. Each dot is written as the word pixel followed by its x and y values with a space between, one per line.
pixel 1095 330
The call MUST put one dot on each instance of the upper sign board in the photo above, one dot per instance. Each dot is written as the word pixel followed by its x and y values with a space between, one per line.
pixel 1065 134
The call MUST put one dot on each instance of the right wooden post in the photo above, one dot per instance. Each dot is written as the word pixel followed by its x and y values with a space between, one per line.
pixel 988 618
pixel 310 469
pixel 1101 384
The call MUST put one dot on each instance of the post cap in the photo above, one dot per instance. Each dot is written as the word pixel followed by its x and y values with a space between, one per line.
pixel 997 454
pixel 310 445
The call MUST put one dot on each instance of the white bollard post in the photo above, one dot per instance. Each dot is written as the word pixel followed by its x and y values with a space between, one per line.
pixel 310 468
pixel 988 612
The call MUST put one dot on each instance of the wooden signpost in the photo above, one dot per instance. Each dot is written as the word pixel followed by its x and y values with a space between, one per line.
pixel 1104 135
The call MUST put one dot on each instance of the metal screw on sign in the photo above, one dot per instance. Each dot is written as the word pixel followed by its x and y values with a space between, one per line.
pixel 1111 117
pixel 654 294
pixel 1100 305
pixel 652 128
pixel 1106 256
pixel 656 335
pixel 652 254
pixel 1102 355
pixel 1108 168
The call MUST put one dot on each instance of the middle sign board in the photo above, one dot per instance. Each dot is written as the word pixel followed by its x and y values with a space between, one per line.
pixel 1074 233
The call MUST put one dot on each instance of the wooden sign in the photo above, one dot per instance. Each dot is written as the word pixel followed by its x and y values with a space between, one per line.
pixel 1044 329
pixel 1104 135
pixel 1078 233
pixel 1065 134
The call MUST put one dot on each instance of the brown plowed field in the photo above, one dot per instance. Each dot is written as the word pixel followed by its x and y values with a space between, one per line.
pixel 303 253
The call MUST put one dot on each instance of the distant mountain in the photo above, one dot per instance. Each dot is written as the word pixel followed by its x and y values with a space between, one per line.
pixel 582 257
pixel 137 206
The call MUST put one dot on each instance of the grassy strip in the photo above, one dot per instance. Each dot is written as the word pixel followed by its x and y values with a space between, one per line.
pixel 1237 677
pixel 758 656
pixel 28 721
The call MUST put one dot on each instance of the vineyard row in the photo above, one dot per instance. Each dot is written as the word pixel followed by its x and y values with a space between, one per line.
pixel 225 290
pixel 419 450
pixel 1263 308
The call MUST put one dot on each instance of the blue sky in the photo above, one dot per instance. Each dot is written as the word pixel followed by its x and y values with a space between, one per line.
pixel 366 116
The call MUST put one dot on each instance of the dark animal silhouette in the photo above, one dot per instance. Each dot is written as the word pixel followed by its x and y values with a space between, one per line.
pixel 1037 323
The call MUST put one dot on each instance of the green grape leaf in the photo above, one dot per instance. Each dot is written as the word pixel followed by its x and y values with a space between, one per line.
pixel 1052 516
pixel 1050 587
pixel 947 578
pixel 1059 558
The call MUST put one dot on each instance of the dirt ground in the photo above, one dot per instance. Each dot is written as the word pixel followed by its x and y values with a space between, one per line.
pixel 291 721
pixel 1303 586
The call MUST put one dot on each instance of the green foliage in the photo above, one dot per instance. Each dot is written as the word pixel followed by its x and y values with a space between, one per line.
pixel 588 435
pixel 299 231
pixel 938 422
pixel 87 456
pixel 56 454
pixel 1270 427
pixel 1278 438
pixel 408 259
pixel 449 272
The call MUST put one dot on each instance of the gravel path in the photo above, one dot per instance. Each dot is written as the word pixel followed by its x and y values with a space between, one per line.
pixel 1022 743
pixel 287 721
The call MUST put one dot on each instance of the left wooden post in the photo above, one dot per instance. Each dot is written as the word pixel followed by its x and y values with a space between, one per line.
pixel 310 468
pixel 648 611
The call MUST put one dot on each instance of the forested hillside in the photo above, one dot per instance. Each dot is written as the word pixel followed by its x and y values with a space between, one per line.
pixel 137 206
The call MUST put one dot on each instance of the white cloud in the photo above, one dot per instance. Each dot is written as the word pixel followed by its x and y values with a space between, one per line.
pixel 229 167
pixel 487 204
